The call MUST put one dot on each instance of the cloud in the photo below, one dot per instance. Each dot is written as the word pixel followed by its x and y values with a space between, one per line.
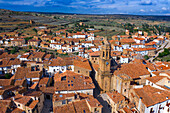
pixel 142 10
pixel 164 8
pixel 90 6
pixel 146 2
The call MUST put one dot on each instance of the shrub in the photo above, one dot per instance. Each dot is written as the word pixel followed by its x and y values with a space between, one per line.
pixel 7 76
pixel 146 57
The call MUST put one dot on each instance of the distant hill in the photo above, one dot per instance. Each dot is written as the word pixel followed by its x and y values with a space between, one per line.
pixel 111 16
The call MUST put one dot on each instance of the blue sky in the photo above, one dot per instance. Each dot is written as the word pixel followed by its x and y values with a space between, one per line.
pixel 139 7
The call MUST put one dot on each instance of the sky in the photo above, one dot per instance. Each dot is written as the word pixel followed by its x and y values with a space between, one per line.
pixel 136 7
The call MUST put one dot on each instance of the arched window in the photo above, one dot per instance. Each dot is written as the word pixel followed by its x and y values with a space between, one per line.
pixel 103 53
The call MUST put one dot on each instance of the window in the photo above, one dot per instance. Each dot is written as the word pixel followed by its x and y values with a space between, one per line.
pixel 151 111
pixel 18 105
pixel 64 102
pixel 69 100
pixel 63 78
pixel 78 71
pixel 125 90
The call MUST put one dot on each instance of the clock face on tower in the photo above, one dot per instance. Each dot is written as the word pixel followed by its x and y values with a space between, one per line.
pixel 107 63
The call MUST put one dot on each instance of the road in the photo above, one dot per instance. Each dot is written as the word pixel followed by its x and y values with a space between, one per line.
pixel 166 44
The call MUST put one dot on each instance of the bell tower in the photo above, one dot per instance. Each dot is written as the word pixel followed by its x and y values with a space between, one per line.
pixel 104 75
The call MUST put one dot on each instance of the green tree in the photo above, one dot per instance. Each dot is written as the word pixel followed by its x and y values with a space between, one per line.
pixel 13 51
pixel 6 49
pixel 146 57
pixel 7 76
pixel 30 47
pixel 35 30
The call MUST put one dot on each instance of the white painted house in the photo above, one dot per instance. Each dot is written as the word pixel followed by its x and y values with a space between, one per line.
pixel 151 100
pixel 124 59
pixel 60 65
pixel 56 46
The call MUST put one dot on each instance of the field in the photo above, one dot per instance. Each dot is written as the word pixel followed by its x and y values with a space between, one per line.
pixel 107 24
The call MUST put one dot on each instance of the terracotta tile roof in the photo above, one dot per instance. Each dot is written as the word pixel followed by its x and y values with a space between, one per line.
pixel 82 64
pixel 5 82
pixel 48 90
pixel 34 86
pixel 58 97
pixel 96 53
pixel 69 108
pixel 139 38
pixel 37 55
pixel 44 80
pixel 72 81
pixel 138 44
pixel 85 96
pixel 17 40
pixel 127 41
pixel 33 93
pixel 93 102
pixel 124 56
pixel 24 56
pixel 4 55
pixel 9 62
pixel 115 96
pixel 33 104
pixel 156 73
pixel 127 110
pixel 150 66
pixel 33 40
pixel 146 63
pixel 155 79
pixel 74 107
pixel 151 96
pixel 87 42
pixel 47 56
pixel 22 72
pixel 17 110
pixel 19 82
pixel 4 105
pixel 150 43
pixel 61 62
pixel 33 74
pixel 81 107
pixel 22 99
pixel 132 70
pixel 143 49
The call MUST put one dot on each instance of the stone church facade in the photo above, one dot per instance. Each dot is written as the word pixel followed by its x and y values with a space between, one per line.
pixel 104 76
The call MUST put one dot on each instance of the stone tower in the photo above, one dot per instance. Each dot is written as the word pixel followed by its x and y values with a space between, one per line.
pixel 104 76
